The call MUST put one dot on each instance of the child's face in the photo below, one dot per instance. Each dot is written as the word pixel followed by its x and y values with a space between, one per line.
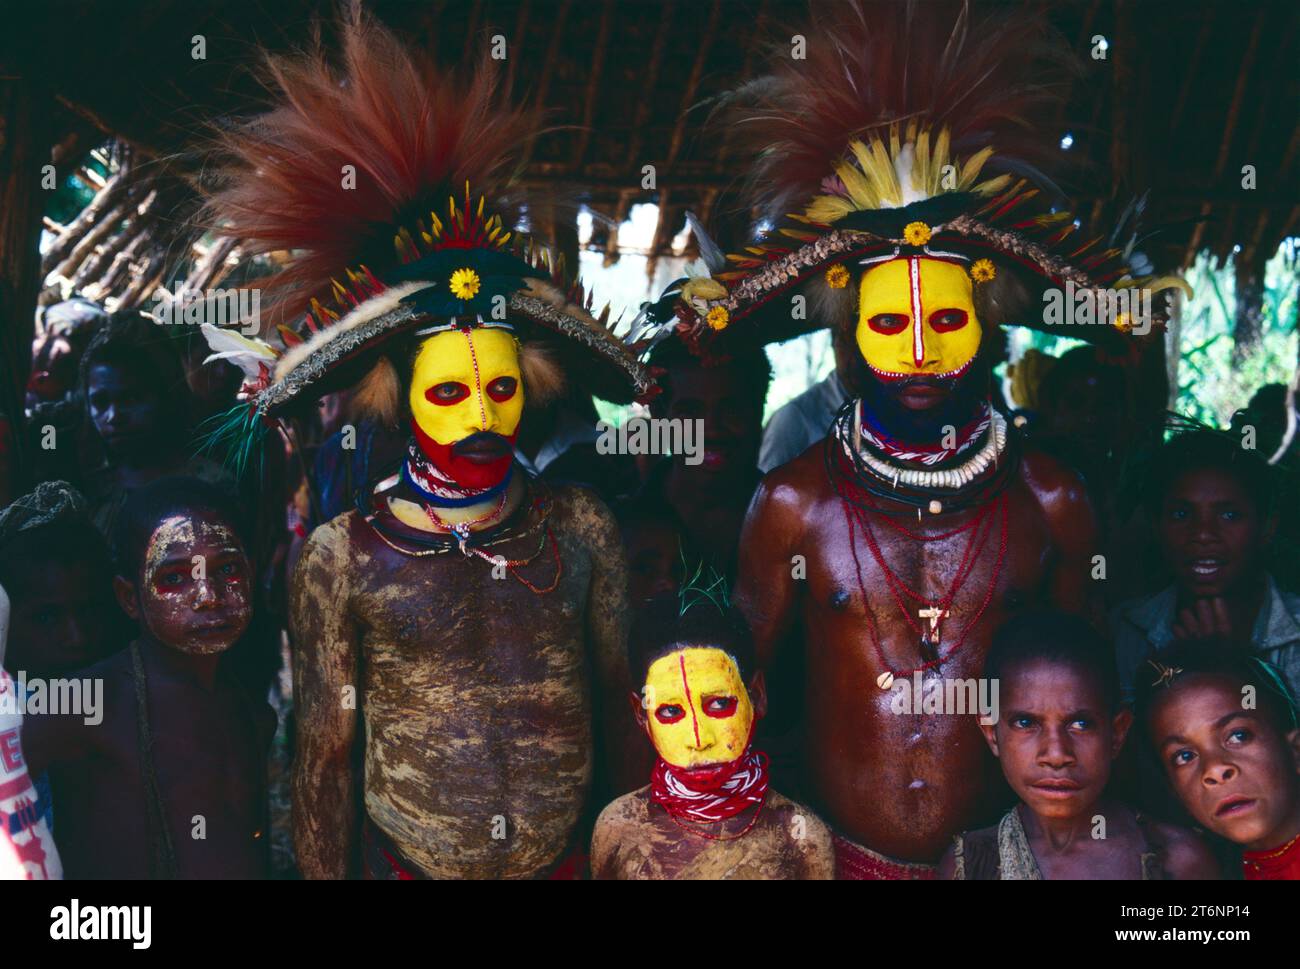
pixel 59 619
pixel 698 710
pixel 1055 737
pixel 195 585
pixel 1234 771
pixel 653 560
pixel 128 415
pixel 733 419
pixel 1211 531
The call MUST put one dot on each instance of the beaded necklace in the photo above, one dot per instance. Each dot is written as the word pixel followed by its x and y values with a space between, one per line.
pixel 860 507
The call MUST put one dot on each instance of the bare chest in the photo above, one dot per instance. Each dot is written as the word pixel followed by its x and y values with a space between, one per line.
pixel 454 628
pixel 899 593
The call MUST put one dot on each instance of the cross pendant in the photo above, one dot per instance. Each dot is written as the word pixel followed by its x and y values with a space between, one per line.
pixel 461 531
pixel 930 636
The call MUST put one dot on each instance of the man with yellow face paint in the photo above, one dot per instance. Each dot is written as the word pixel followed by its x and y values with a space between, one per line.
pixel 923 528
pixel 708 812
pixel 466 400
pixel 916 317
pixel 456 633
pixel 889 553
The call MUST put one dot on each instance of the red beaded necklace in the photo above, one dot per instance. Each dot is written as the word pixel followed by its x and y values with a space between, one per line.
pixel 461 531
pixel 980 527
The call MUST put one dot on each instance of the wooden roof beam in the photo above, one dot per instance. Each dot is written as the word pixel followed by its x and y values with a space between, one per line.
pixel 516 46
pixel 1230 124
pixel 1191 73
pixel 548 69
pixel 652 79
pixel 593 86
pixel 693 83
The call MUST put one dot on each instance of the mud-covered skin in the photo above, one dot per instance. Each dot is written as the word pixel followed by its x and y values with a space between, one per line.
pixel 475 694
pixel 636 840
pixel 901 785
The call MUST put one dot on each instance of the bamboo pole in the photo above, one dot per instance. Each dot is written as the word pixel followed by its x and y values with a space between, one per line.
pixel 113 191
pixel 101 228
pixel 95 264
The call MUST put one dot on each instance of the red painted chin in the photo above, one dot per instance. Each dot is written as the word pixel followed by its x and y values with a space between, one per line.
pixel 478 472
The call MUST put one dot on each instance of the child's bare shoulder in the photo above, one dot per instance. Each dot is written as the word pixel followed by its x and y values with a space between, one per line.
pixel 1185 853
pixel 110 686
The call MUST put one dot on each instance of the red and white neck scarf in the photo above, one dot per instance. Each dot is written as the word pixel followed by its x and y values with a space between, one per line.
pixel 711 794
pixel 927 454
pixel 440 489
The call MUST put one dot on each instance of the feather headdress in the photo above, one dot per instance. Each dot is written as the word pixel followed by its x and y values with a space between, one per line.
pixel 904 129
pixel 390 185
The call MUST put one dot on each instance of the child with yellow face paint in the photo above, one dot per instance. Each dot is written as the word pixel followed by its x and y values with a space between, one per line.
pixel 708 812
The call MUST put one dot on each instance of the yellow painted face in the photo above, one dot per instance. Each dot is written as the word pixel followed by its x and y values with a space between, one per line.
pixel 916 317
pixel 697 708
pixel 467 382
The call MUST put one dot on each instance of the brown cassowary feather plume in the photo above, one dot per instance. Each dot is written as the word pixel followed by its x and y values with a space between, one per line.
pixel 413 135
pixel 872 64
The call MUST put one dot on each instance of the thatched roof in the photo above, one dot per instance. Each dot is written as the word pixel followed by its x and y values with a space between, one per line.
pixel 1187 95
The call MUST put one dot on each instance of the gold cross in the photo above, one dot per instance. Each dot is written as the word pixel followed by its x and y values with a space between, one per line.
pixel 931 636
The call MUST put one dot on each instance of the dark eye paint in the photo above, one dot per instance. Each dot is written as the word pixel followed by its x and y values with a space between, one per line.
pixel 720 707
pixel 944 321
pixel 171 580
pixel 889 322
pixel 446 394
pixel 502 389
pixel 669 713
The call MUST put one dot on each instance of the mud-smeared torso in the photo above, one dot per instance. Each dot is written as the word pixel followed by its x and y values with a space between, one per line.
pixel 635 840
pixel 475 697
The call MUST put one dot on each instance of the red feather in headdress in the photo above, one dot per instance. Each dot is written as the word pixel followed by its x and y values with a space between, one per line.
pixel 412 134
pixel 870 64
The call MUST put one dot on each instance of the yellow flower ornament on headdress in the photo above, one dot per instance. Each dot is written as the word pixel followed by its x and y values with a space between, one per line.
pixel 464 284
pixel 916 233
pixel 983 271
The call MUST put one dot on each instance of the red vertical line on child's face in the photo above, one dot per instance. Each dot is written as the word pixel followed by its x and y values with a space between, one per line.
pixel 695 723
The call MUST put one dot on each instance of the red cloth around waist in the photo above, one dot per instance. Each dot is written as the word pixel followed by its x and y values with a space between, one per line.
pixel 855 863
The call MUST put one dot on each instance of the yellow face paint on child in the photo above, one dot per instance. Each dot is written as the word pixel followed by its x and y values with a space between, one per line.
pixel 916 316
pixel 697 708
pixel 463 383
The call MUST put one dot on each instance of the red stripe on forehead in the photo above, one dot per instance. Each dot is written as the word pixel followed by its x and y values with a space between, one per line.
pixel 918 316
pixel 681 659
pixel 478 383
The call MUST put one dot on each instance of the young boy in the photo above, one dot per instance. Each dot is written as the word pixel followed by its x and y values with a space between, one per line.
pixel 1212 504
pixel 1060 726
pixel 1224 726
pixel 179 737
pixel 708 812
pixel 56 569
pixel 139 414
